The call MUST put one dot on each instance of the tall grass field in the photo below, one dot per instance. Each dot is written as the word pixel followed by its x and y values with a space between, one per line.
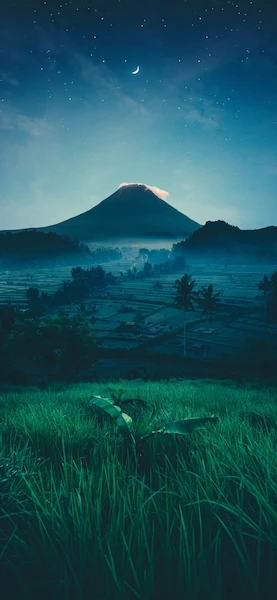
pixel 85 516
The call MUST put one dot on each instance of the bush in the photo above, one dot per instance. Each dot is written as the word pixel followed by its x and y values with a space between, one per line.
pixel 125 308
pixel 57 347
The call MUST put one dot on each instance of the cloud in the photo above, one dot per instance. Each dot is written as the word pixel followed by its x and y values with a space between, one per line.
pixel 271 168
pixel 193 65
pixel 12 120
pixel 104 81
pixel 8 79
pixel 207 116
pixel 200 193
pixel 157 191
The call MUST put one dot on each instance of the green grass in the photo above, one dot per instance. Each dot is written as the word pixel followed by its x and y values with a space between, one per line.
pixel 192 517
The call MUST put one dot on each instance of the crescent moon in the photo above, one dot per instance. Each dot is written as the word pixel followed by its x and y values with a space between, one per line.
pixel 136 71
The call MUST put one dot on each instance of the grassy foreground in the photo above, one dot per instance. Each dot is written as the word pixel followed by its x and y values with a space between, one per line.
pixel 194 517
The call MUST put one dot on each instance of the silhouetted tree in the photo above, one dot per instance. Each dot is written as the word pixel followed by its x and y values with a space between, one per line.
pixel 83 283
pixel 273 298
pixel 185 296
pixel 158 285
pixel 265 285
pixel 33 298
pixel 207 300
pixel 273 278
pixel 110 279
pixel 105 254
pixel 46 301
pixel 144 253
pixel 139 319
pixel 147 268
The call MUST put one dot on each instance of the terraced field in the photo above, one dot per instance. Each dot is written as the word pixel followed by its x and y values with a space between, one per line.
pixel 14 284
pixel 240 317
pixel 238 284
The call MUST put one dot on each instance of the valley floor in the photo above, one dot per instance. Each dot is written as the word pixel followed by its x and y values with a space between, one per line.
pixel 238 327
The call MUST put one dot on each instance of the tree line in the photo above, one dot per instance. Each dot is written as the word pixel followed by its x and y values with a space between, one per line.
pixel 83 283
pixel 32 247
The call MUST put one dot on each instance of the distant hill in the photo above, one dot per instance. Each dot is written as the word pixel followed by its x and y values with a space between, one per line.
pixel 132 212
pixel 33 248
pixel 218 241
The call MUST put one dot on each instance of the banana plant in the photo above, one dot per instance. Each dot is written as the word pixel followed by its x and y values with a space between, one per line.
pixel 184 426
pixel 117 397
pixel 122 420
pixel 126 424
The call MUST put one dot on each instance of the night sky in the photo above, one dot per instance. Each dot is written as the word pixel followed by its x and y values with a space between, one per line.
pixel 198 121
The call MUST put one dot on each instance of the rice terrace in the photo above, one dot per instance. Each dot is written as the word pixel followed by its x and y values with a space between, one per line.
pixel 235 329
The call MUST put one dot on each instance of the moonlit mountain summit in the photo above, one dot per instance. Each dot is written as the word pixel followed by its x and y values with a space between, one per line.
pixel 160 193
pixel 198 120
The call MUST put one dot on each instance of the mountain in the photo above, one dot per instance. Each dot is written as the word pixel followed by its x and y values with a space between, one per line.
pixel 133 211
pixel 218 241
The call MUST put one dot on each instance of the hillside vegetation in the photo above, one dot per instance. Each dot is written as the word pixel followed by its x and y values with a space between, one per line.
pixel 221 242
pixel 31 248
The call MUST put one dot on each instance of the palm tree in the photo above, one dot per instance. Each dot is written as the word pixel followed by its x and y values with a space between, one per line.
pixel 185 296
pixel 265 286
pixel 138 319
pixel 208 301
pixel 273 294
pixel 273 278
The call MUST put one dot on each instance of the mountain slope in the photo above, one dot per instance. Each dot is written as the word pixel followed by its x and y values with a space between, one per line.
pixel 133 211
pixel 218 240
